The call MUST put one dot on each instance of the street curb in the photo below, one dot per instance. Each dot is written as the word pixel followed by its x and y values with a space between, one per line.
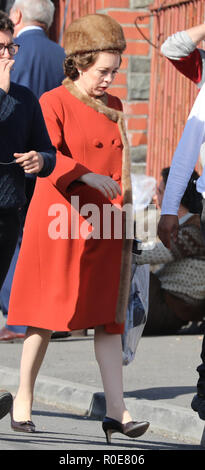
pixel 86 400
pixel 69 396
pixel 177 421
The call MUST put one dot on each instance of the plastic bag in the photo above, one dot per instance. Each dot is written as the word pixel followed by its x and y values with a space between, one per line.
pixel 137 311
pixel 143 190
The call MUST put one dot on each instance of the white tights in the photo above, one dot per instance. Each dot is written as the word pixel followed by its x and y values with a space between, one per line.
pixel 108 351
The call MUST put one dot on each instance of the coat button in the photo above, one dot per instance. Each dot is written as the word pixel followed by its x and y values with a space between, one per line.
pixel 116 143
pixel 97 143
pixel 116 176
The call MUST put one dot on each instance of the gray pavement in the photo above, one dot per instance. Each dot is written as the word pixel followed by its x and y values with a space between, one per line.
pixel 159 384
pixel 60 431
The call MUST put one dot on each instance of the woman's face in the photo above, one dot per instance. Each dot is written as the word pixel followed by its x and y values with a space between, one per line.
pixel 98 77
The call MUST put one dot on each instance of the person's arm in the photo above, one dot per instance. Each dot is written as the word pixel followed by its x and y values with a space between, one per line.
pixel 189 243
pixel 39 157
pixel 180 49
pixel 183 164
pixel 158 254
pixel 178 45
pixel 197 33
pixel 68 169
pixel 185 157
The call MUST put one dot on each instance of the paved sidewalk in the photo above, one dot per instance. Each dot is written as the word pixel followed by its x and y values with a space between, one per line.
pixel 159 384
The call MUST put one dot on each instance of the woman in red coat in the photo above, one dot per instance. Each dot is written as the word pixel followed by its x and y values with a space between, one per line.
pixel 79 257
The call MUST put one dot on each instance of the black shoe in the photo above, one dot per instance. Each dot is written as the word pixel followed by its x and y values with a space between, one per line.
pixel 60 334
pixel 198 405
pixel 130 429
pixel 21 426
pixel 6 401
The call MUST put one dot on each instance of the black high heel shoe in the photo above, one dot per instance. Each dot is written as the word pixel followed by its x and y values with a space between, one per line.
pixel 130 429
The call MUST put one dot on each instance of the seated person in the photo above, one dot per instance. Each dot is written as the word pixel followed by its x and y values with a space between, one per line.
pixel 177 288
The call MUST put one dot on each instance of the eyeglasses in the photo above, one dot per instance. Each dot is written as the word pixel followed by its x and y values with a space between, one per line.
pixel 12 48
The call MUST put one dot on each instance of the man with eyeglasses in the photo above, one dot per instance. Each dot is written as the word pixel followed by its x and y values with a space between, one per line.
pixel 25 147
pixel 11 48
pixel 38 66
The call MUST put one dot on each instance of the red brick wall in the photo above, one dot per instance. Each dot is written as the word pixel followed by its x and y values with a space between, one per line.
pixel 136 110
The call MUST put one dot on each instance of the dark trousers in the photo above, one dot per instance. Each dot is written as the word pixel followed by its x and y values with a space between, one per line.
pixel 9 230
pixel 201 371
pixel 201 368
pixel 161 318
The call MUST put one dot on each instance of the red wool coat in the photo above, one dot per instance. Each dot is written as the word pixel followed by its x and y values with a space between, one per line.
pixel 65 279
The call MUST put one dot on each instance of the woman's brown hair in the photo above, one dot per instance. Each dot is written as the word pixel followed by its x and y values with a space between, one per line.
pixel 73 63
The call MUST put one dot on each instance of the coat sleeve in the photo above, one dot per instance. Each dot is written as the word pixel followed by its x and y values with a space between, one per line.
pixel 183 54
pixel 39 139
pixel 189 243
pixel 154 254
pixel 7 105
pixel 67 169
pixel 185 158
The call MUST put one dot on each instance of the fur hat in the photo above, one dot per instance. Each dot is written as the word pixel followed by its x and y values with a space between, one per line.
pixel 92 33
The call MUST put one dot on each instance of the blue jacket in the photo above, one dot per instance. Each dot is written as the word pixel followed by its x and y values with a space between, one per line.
pixel 39 62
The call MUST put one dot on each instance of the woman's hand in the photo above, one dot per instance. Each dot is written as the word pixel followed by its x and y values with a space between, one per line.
pixel 5 70
pixel 31 162
pixel 106 185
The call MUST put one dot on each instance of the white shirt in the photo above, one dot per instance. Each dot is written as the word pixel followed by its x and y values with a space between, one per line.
pixel 185 158
pixel 28 28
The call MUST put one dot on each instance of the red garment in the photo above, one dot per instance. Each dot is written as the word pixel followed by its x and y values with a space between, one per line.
pixel 67 283
pixel 190 66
